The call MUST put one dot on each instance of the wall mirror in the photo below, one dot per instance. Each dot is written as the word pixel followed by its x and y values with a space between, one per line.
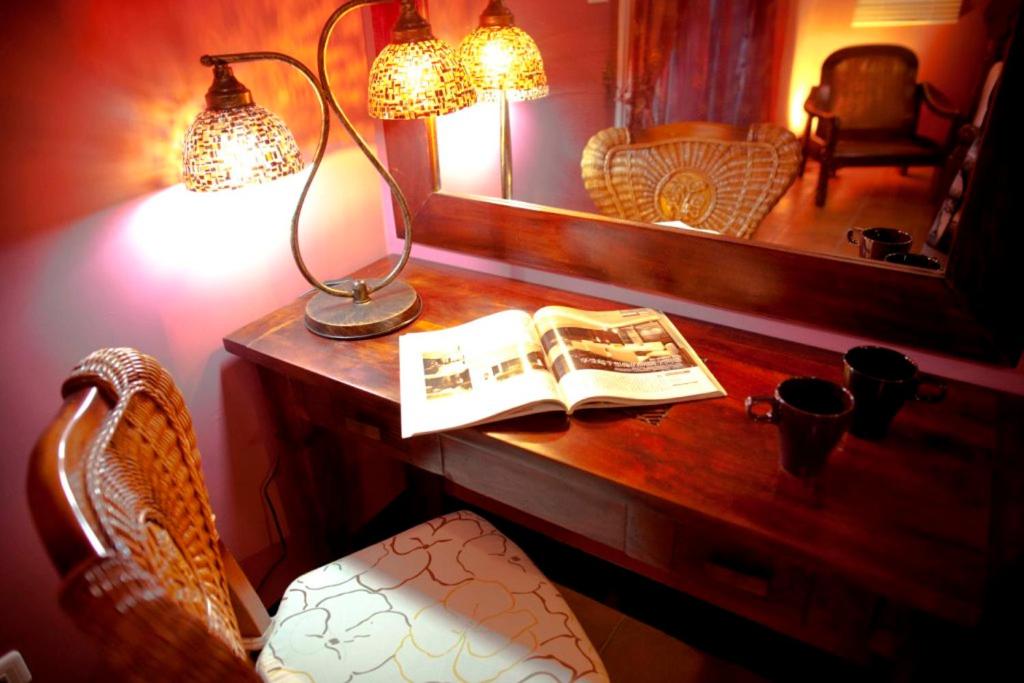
pixel 629 68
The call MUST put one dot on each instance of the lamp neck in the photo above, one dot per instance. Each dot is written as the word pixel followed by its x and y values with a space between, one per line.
pixel 411 26
pixel 496 14
pixel 226 92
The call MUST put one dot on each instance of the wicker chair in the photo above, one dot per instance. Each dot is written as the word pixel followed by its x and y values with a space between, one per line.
pixel 866 108
pixel 712 176
pixel 118 498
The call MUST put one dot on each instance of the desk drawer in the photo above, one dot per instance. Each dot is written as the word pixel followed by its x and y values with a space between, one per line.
pixel 541 488
pixel 714 563
pixel 374 423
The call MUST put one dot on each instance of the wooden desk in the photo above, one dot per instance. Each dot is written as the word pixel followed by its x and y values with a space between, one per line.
pixel 905 529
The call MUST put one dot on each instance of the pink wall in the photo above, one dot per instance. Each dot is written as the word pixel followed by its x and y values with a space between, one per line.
pixel 86 265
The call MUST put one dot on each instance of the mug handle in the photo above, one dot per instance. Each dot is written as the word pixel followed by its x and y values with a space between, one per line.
pixel 854 235
pixel 771 415
pixel 934 391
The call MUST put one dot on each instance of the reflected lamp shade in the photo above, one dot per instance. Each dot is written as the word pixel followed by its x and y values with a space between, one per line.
pixel 234 142
pixel 499 56
pixel 416 75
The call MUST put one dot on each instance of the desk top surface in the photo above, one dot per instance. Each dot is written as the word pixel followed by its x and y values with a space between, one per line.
pixel 909 515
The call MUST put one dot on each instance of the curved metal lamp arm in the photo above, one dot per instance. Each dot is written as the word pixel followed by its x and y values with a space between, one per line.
pixel 325 128
pixel 396 191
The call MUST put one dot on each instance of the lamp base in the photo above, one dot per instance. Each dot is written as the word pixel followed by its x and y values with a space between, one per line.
pixel 337 317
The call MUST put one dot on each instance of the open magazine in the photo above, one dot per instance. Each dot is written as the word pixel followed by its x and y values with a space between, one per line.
pixel 559 359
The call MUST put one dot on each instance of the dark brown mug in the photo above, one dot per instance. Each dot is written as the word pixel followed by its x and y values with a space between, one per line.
pixel 880 380
pixel 812 415
pixel 877 243
pixel 914 260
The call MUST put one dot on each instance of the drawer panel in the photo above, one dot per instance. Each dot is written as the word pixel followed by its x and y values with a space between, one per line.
pixel 545 490
pixel 718 564
pixel 352 416
pixel 715 564
pixel 711 553
pixel 737 567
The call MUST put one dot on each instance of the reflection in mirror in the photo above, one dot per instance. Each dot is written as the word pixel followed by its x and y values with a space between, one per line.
pixel 785 122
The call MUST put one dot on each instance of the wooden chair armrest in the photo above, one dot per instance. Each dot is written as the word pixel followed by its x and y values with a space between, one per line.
pixel 253 619
pixel 967 134
pixel 813 105
pixel 145 635
pixel 938 102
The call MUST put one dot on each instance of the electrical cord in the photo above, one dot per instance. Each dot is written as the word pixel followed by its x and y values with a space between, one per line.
pixel 265 490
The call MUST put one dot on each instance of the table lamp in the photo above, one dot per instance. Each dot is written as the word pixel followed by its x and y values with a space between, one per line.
pixel 503 64
pixel 235 142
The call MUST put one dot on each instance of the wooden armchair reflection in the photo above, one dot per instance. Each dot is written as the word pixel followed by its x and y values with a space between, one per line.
pixel 711 176
pixel 117 495
pixel 865 113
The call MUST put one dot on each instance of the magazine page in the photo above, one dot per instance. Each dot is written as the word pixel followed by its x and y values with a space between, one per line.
pixel 491 367
pixel 623 357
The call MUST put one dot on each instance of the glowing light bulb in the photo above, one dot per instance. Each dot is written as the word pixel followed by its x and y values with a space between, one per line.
pixel 504 59
pixel 496 56
pixel 227 149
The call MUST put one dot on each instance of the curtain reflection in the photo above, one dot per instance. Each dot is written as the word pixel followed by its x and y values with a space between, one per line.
pixel 712 60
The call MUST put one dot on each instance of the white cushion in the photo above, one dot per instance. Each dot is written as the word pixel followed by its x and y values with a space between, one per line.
pixel 449 600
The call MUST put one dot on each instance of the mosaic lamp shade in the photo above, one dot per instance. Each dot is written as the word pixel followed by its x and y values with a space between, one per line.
pixel 416 75
pixel 235 142
pixel 502 58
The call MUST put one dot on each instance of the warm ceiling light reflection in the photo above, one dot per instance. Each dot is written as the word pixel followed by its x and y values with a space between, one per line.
pixel 216 237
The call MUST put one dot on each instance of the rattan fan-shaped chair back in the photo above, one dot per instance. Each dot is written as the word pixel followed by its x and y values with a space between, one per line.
pixel 119 499
pixel 708 175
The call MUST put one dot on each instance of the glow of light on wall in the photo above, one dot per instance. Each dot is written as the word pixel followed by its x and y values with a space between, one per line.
pixel 797 117
pixel 810 51
pixel 204 238
pixel 468 150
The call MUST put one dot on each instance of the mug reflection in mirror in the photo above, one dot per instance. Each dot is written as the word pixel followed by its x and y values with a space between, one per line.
pixel 715 113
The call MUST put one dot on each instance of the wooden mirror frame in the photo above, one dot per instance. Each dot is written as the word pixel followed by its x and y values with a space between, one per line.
pixel 956 312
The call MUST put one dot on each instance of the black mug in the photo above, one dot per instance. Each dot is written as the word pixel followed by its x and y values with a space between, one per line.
pixel 812 415
pixel 880 380
pixel 914 260
pixel 877 243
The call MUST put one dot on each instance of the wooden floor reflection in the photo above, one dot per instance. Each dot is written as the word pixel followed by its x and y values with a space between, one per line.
pixel 857 197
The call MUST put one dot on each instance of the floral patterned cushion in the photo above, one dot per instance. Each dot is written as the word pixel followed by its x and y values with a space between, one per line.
pixel 449 600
